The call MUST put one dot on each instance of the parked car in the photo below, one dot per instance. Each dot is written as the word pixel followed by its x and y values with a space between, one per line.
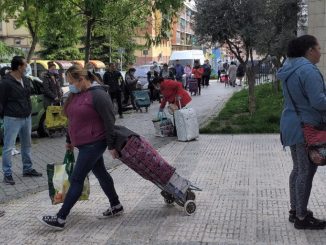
pixel 141 74
pixel 38 112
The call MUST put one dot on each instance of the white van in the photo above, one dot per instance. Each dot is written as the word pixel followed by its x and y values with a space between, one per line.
pixel 187 57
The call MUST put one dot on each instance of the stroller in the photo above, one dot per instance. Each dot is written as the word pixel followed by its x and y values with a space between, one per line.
pixel 142 99
pixel 55 121
pixel 141 156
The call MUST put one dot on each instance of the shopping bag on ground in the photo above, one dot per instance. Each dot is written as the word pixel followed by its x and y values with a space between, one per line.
pixel 163 125
pixel 59 179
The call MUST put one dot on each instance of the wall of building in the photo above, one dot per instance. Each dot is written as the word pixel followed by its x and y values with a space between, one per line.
pixel 13 36
pixel 317 27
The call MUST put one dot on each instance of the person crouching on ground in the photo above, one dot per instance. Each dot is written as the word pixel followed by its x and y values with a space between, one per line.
pixel 90 129
pixel 173 92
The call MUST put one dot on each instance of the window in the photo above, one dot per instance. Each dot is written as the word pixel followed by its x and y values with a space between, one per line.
pixel 178 38
pixel 15 23
pixel 18 41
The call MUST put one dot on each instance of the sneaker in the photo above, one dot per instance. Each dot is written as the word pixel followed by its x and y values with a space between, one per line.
pixel 113 211
pixel 8 180
pixel 53 221
pixel 32 173
pixel 309 223
pixel 2 213
pixel 14 152
pixel 292 215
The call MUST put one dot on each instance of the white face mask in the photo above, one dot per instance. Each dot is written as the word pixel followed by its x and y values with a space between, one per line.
pixel 90 70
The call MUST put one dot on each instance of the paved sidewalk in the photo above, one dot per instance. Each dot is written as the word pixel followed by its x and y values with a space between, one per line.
pixel 48 150
pixel 244 201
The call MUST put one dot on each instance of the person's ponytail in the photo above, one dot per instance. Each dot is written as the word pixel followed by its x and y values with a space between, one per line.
pixel 92 77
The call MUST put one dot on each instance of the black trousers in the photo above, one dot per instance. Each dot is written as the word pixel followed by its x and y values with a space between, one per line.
pixel 117 96
pixel 206 80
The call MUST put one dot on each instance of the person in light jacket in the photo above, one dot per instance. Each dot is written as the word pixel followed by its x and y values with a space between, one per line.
pixel 302 80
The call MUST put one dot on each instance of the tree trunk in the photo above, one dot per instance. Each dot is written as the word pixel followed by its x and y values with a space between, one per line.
pixel 251 85
pixel 32 49
pixel 89 27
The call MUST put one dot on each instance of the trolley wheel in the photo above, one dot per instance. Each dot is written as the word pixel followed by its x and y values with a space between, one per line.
pixel 191 195
pixel 168 201
pixel 51 133
pixel 190 207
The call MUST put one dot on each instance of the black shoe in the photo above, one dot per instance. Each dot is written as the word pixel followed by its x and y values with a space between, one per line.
pixel 292 215
pixel 8 180
pixel 309 223
pixel 32 173
pixel 114 211
pixel 121 116
pixel 2 213
pixel 53 221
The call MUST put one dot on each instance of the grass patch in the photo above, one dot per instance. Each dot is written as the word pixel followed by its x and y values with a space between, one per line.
pixel 236 119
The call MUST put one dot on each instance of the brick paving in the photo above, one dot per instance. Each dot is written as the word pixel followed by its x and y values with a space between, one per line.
pixel 244 201
pixel 245 197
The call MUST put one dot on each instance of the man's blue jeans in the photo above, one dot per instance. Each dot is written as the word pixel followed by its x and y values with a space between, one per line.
pixel 90 158
pixel 14 126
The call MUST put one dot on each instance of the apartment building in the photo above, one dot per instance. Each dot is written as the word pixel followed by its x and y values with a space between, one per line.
pixel 14 36
pixel 182 36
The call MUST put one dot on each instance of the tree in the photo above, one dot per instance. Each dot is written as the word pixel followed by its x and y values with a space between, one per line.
pixel 28 13
pixel 61 33
pixel 110 13
pixel 6 52
pixel 244 26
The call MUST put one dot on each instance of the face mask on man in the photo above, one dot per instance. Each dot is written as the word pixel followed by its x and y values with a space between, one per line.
pixel 73 89
pixel 90 70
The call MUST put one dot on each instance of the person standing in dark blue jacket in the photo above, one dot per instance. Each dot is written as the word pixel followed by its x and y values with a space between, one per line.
pixel 301 80
pixel 179 71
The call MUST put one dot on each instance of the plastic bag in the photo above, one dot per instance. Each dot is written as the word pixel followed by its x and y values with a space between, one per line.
pixel 59 179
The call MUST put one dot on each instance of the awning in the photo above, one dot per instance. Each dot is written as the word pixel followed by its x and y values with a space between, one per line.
pixel 64 64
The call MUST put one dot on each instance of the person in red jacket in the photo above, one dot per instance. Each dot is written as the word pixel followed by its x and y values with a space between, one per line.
pixel 173 92
pixel 198 71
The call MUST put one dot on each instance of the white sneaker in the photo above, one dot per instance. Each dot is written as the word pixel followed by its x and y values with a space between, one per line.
pixel 14 152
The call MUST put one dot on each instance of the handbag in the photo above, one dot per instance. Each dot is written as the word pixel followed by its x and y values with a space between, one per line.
pixel 314 136
pixel 163 125
pixel 59 179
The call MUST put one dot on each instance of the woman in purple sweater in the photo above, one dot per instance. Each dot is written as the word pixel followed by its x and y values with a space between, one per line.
pixel 91 129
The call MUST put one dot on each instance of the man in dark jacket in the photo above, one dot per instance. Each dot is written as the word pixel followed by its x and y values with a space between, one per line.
pixel 16 108
pixel 207 73
pixel 114 80
pixel 51 86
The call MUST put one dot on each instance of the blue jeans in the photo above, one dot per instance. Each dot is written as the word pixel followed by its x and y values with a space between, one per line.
pixel 90 158
pixel 14 126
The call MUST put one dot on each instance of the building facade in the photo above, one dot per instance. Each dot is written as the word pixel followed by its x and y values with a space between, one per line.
pixel 317 27
pixel 182 36
pixel 13 36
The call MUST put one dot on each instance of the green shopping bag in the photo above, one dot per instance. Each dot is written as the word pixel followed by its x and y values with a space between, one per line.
pixel 59 179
